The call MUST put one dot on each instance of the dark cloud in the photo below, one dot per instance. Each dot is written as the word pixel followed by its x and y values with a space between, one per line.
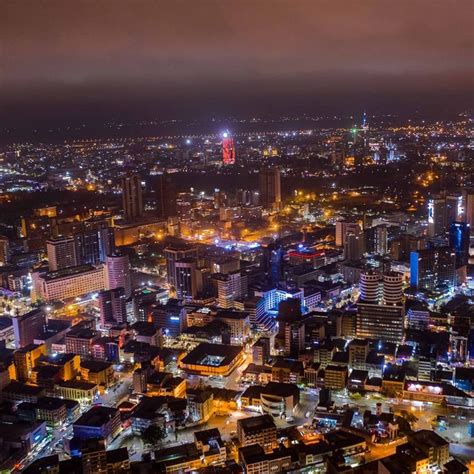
pixel 71 57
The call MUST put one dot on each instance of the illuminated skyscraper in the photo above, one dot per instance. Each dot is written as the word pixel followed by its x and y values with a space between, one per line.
pixel 61 253
pixel 132 198
pixel 459 241
pixel 228 149
pixel 431 268
pixel 118 273
pixel 270 188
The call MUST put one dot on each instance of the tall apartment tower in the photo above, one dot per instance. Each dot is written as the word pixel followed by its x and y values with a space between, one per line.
pixel 118 273
pixel 132 197
pixel 270 188
pixel 61 253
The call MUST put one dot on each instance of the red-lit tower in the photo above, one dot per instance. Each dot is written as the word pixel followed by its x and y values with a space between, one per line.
pixel 228 149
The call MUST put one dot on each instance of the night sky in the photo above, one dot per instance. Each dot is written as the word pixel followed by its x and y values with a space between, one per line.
pixel 68 60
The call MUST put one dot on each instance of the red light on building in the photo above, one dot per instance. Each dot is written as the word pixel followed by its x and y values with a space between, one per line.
pixel 228 150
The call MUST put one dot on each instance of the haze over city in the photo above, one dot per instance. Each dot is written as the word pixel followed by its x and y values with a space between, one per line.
pixel 236 236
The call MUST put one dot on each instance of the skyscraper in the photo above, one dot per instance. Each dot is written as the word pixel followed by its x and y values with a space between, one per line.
pixel 186 283
pixel 392 288
pixel 459 235
pixel 165 197
pixel 430 268
pixel 343 228
pixel 354 246
pixel 27 327
pixel 61 253
pixel 270 188
pixel 443 210
pixel 93 245
pixel 228 149
pixel 172 255
pixel 112 307
pixel 132 197
pixel 118 273
pixel 369 286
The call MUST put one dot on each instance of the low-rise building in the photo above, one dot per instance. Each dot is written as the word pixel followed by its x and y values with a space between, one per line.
pixel 259 430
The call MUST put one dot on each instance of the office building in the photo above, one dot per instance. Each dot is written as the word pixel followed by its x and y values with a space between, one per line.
pixel 343 228
pixel 132 197
pixel 469 208
pixel 354 246
pixel 172 255
pixel 459 235
pixel 433 268
pixel 229 288
pixel 376 240
pixel 93 245
pixel 270 188
pixel 99 422
pixel 392 288
pixel 112 307
pixel 228 149
pixel 118 273
pixel 259 430
pixel 165 197
pixel 358 352
pixel 369 286
pixel 443 210
pixel 4 250
pixel 186 281
pixel 25 360
pixel 68 283
pixel 27 327
pixel 61 253
pixel 379 321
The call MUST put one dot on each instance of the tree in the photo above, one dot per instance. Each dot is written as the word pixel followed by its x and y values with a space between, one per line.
pixel 153 435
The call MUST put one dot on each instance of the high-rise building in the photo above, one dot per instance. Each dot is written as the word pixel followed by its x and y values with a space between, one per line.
pixel 118 273
pixel 4 250
pixel 443 210
pixel 369 286
pixel 61 253
pixel 468 200
pixel 343 228
pixel 93 245
pixel 270 188
pixel 229 288
pixel 132 197
pixel 380 321
pixel 112 307
pixel 392 288
pixel 172 255
pixel 358 352
pixel 376 240
pixel 228 149
pixel 354 246
pixel 186 282
pixel 165 197
pixel 27 327
pixel 431 268
pixel 459 235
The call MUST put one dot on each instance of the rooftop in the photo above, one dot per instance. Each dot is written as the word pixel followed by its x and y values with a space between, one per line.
pixel 96 416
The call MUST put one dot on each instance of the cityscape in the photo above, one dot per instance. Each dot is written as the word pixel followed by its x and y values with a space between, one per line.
pixel 275 291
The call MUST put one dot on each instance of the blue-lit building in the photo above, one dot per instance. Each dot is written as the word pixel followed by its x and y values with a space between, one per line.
pixel 459 234
pixel 433 268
